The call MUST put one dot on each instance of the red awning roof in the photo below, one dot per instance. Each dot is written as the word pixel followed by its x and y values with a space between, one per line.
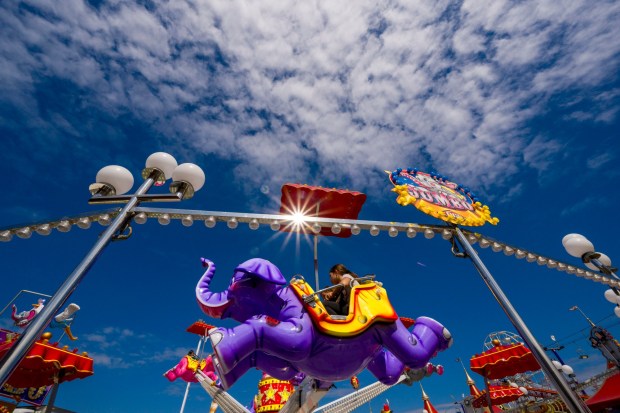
pixel 503 361
pixel 44 361
pixel 316 201
pixel 607 396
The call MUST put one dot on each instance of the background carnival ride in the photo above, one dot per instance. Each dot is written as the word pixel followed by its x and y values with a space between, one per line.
pixel 120 228
pixel 47 364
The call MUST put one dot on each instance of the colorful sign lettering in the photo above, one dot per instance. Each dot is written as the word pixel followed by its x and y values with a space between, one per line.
pixel 435 195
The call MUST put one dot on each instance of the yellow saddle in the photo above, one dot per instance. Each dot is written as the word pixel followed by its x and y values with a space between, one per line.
pixel 369 304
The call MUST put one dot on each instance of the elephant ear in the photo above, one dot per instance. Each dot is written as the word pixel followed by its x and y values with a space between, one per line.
pixel 262 269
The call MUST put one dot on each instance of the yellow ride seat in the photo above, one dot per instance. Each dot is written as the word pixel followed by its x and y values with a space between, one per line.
pixel 369 304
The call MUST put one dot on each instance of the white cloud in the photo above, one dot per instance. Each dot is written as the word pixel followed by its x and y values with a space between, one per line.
pixel 341 89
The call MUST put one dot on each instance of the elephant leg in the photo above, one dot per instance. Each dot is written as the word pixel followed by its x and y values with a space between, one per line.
pixel 385 367
pixel 417 347
pixel 290 341
pixel 275 367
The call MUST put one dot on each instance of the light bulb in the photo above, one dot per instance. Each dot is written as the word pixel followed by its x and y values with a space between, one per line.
pixel 104 220
pixel 140 218
pixel 117 177
pixel 210 222
pixel 253 224
pixel 411 232
pixel 520 254
pixel 6 236
pixel 64 226
pixel 429 233
pixel 557 364
pixel 566 369
pixel 508 251
pixel 496 247
pixel 164 219
pixel 541 261
pixel 530 257
pixel 24 233
pixel 392 232
pixel 187 221
pixel 316 228
pixel 190 173
pixel 374 230
pixel 484 243
pixel 83 223
pixel 44 229
pixel 355 229
pixel 336 228
pixel 275 225
pixel 232 223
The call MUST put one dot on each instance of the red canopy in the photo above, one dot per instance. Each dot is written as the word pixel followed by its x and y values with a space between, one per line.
pixel 44 361
pixel 499 395
pixel 316 201
pixel 504 360
pixel 199 327
pixel 607 396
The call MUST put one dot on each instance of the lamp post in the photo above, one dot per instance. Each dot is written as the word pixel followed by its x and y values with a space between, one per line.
pixel 579 246
pixel 602 339
pixel 111 183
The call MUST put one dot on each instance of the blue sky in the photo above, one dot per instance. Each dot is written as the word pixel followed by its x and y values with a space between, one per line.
pixel 517 100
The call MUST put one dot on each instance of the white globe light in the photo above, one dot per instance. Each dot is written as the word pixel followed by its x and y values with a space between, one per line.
pixel 336 228
pixel 392 232
pixel 557 364
pixel 254 224
pixel 374 230
pixel 355 229
pixel 162 161
pixel 617 311
pixel 316 228
pixel 612 297
pixel 567 369
pixel 190 173
pixel 429 233
pixel 411 233
pixel 523 390
pixel 569 236
pixel 577 246
pixel 116 176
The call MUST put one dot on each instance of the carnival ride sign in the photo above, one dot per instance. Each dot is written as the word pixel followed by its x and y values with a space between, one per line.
pixel 435 195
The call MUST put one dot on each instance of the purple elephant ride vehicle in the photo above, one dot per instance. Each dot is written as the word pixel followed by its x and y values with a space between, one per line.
pixel 284 333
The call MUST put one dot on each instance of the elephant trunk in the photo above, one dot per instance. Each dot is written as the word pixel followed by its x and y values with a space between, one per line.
pixel 212 304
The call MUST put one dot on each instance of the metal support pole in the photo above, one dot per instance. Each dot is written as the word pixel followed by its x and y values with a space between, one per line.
pixel 316 261
pixel 573 403
pixel 41 321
